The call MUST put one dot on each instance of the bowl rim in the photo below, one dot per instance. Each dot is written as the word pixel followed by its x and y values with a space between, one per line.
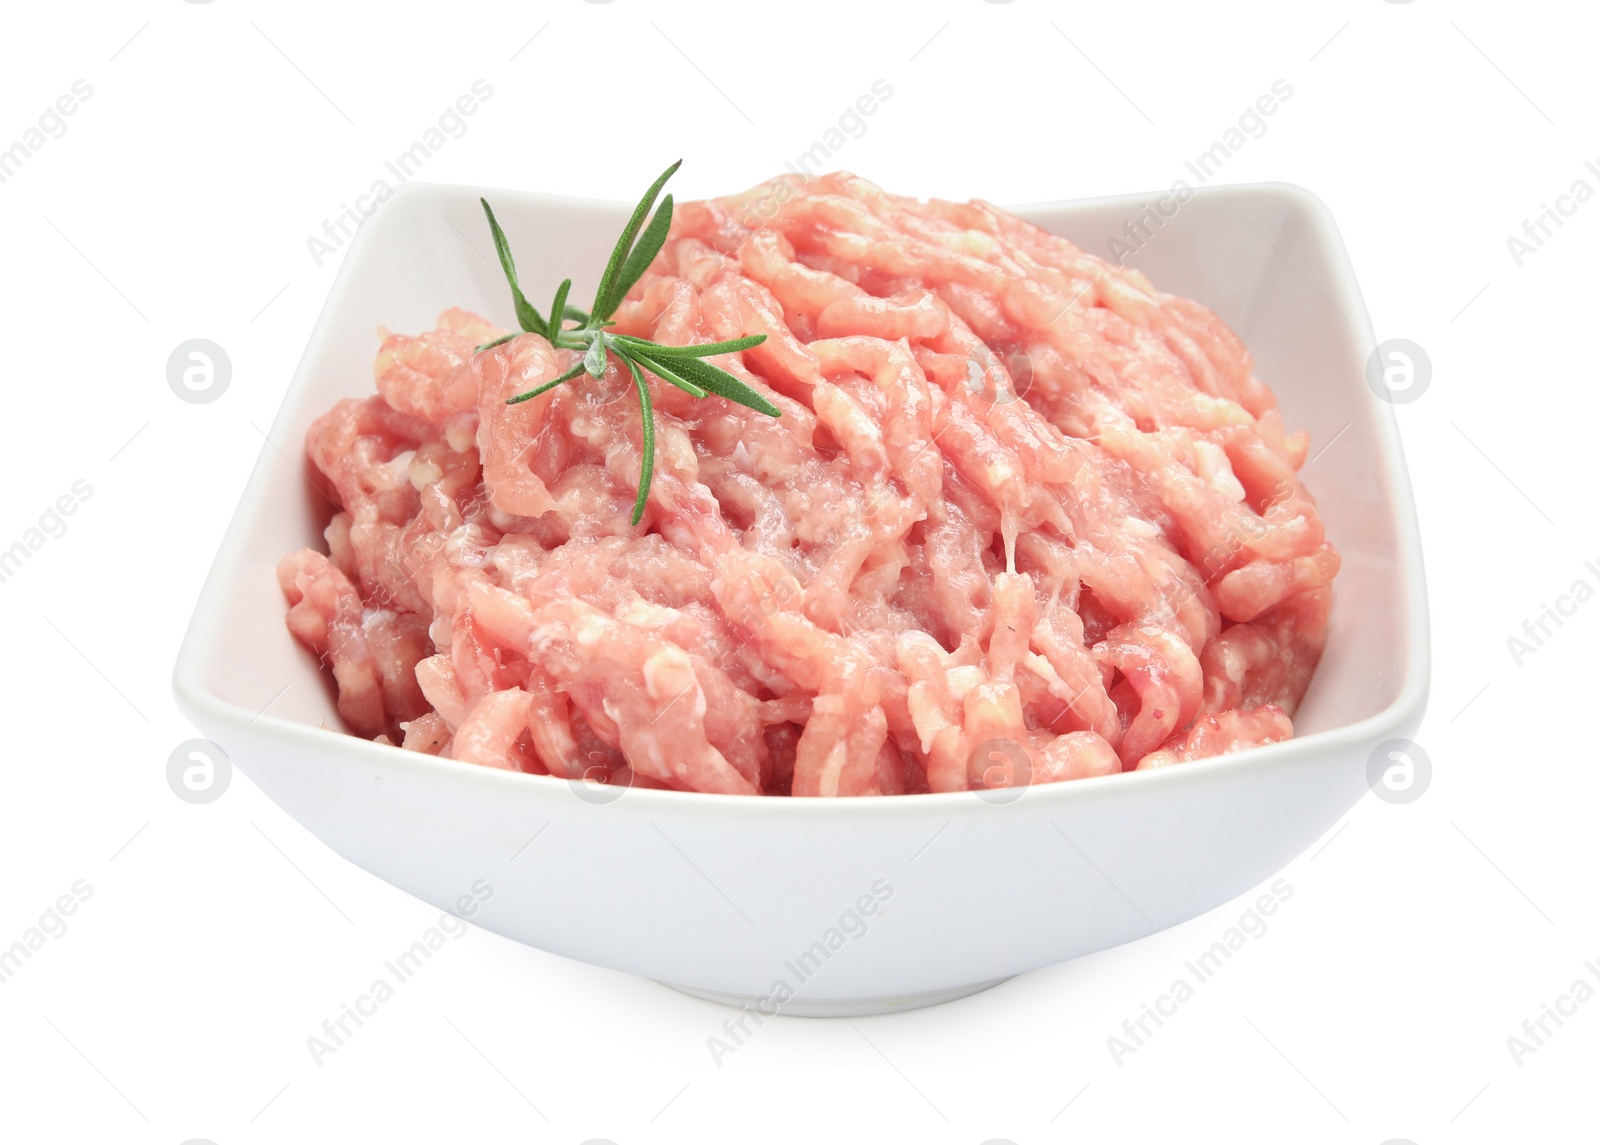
pixel 208 710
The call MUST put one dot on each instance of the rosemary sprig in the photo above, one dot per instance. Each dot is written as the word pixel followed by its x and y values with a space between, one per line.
pixel 681 366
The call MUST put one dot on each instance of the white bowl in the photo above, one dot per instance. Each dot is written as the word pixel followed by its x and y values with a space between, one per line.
pixel 924 897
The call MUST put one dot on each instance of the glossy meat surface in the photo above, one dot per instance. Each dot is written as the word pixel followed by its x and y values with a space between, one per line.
pixel 1016 495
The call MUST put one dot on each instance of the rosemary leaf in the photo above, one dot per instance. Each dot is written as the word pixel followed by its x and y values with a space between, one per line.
pixel 529 318
pixel 704 349
pixel 558 309
pixel 642 255
pixel 708 377
pixel 625 243
pixel 594 358
pixel 682 366
pixel 647 440
pixel 666 374
pixel 533 393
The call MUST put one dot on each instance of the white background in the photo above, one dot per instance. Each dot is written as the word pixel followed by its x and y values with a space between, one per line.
pixel 217 938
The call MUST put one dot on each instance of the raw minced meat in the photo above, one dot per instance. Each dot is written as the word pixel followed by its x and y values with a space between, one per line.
pixel 1016 493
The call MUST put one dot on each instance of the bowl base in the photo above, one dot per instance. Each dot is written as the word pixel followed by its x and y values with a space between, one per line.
pixel 836 1007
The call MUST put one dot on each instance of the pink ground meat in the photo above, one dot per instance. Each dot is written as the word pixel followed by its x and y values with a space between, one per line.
pixel 1016 493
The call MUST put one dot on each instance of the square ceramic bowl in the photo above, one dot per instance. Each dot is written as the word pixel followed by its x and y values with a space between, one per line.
pixel 851 905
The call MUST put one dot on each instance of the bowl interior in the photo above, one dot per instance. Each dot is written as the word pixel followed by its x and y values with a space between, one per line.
pixel 1265 258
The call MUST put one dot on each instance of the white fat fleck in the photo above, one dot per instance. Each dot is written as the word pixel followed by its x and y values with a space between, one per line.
pixel 912 639
pixel 669 680
pixel 461 436
pixel 588 632
pixel 592 430
pixel 925 716
pixel 465 549
pixel 398 467
pixel 544 635
pixel 644 614
pixel 1046 671
pixel 1212 466
pixel 741 457
pixel 1138 527
pixel 962 680
pixel 828 781
pixel 674 447
pixel 1220 410
pixel 424 473
pixel 975 243
pixel 826 705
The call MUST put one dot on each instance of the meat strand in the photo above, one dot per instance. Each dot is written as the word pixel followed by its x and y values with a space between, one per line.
pixel 1024 518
